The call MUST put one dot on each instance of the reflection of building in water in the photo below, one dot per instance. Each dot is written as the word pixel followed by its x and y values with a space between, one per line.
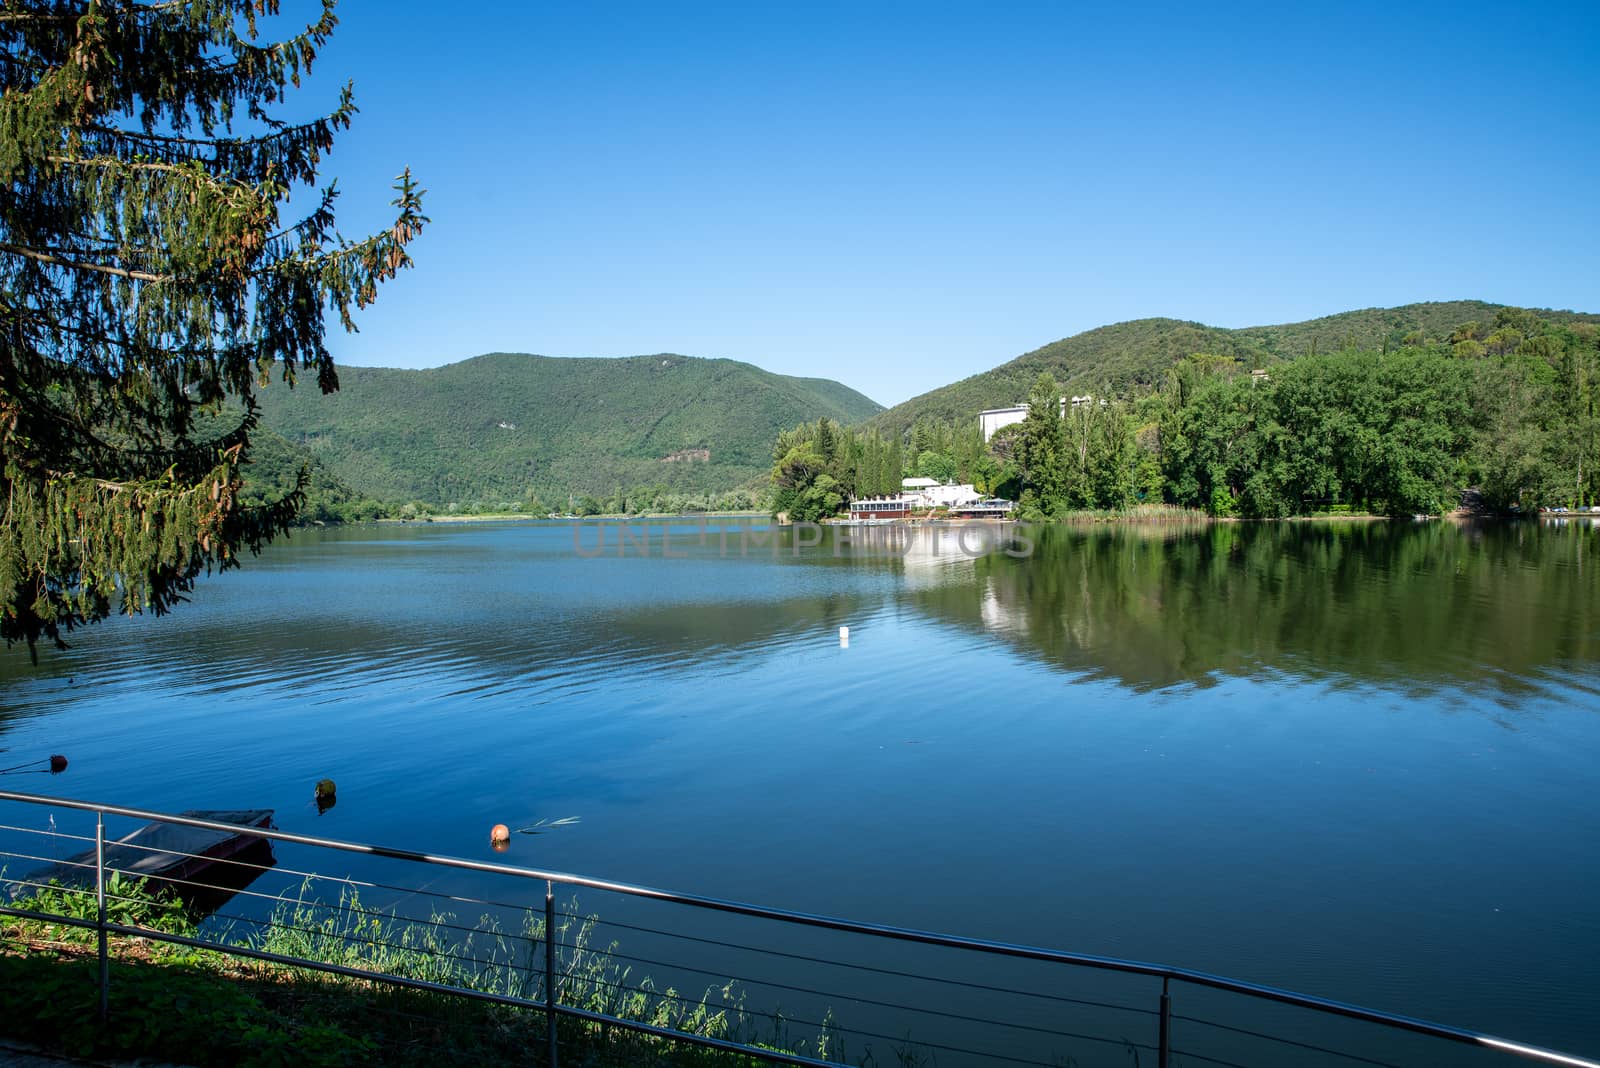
pixel 1070 621
pixel 930 545
pixel 995 615
pixel 930 553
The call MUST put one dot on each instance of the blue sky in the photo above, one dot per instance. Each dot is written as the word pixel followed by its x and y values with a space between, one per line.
pixel 900 195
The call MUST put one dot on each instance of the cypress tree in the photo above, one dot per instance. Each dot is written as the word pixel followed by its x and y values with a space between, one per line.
pixel 149 284
pixel 826 441
pixel 893 467
pixel 849 474
pixel 870 484
pixel 1041 443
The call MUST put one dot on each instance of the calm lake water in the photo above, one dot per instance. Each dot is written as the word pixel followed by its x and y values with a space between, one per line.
pixel 1358 760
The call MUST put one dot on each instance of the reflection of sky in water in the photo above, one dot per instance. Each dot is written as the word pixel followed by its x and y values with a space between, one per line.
pixel 1355 763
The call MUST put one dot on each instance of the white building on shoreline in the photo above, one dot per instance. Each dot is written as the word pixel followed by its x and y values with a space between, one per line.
pixel 931 493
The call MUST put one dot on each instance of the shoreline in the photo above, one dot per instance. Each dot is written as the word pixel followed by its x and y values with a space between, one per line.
pixel 1459 515
pixel 528 517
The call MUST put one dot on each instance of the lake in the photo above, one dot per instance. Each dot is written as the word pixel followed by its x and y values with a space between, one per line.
pixel 1353 759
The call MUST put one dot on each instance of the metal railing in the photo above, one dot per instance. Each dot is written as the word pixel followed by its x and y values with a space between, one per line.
pixel 548 991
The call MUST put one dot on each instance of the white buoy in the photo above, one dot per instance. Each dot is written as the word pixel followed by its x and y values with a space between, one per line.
pixel 844 637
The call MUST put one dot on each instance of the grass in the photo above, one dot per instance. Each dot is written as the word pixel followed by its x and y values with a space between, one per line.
pixel 204 1007
pixel 1139 513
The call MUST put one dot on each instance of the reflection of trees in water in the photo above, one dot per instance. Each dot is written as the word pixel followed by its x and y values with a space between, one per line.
pixel 1423 606
pixel 1418 606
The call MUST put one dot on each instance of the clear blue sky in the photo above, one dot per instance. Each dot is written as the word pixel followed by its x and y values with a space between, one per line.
pixel 900 195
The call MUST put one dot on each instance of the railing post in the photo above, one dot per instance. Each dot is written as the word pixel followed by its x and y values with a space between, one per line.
pixel 550 968
pixel 1164 1046
pixel 100 910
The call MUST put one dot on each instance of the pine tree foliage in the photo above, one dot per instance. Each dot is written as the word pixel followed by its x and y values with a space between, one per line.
pixel 149 282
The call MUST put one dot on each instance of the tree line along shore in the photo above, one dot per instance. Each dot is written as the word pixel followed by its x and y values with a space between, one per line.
pixel 1504 413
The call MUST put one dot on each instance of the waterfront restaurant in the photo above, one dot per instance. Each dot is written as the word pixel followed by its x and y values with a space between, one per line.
pixel 880 508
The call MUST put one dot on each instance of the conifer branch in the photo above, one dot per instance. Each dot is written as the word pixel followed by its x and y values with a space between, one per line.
pixel 76 265
pixel 170 287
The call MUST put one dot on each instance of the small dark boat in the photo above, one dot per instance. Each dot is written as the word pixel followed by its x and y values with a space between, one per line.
pixel 189 858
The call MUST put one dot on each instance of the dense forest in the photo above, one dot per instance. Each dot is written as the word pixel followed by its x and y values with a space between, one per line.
pixel 1507 406
pixel 1134 357
pixel 278 466
pixel 529 433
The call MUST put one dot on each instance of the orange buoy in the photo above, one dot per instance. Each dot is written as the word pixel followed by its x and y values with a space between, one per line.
pixel 500 835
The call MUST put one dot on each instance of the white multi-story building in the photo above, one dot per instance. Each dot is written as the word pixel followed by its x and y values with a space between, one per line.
pixel 992 419
pixel 930 493
pixel 995 418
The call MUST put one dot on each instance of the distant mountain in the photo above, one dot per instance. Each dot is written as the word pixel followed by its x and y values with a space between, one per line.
pixel 1129 355
pixel 495 427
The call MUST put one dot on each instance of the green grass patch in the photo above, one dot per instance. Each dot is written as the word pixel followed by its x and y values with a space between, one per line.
pixel 205 1007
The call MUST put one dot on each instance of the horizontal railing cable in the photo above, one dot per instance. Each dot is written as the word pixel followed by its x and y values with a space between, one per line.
pixel 275 869
pixel 570 983
pixel 1209 1060
pixel 834 1027
pixel 822 922
pixel 89 838
pixel 55 887
pixel 567 980
pixel 85 864
pixel 232 862
pixel 90 892
pixel 345 936
pixel 432 987
pixel 246 893
pixel 170 879
pixel 1285 1041
pixel 858 999
pixel 873 969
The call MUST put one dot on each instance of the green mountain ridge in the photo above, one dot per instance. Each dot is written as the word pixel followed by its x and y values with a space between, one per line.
pixel 503 427
pixel 498 427
pixel 1128 356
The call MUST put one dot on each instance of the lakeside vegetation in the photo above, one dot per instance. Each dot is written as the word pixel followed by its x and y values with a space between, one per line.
pixel 1508 408
pixel 204 1007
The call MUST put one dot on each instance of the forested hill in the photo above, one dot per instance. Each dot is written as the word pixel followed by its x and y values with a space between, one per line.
pixel 1501 409
pixel 501 428
pixel 1121 358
